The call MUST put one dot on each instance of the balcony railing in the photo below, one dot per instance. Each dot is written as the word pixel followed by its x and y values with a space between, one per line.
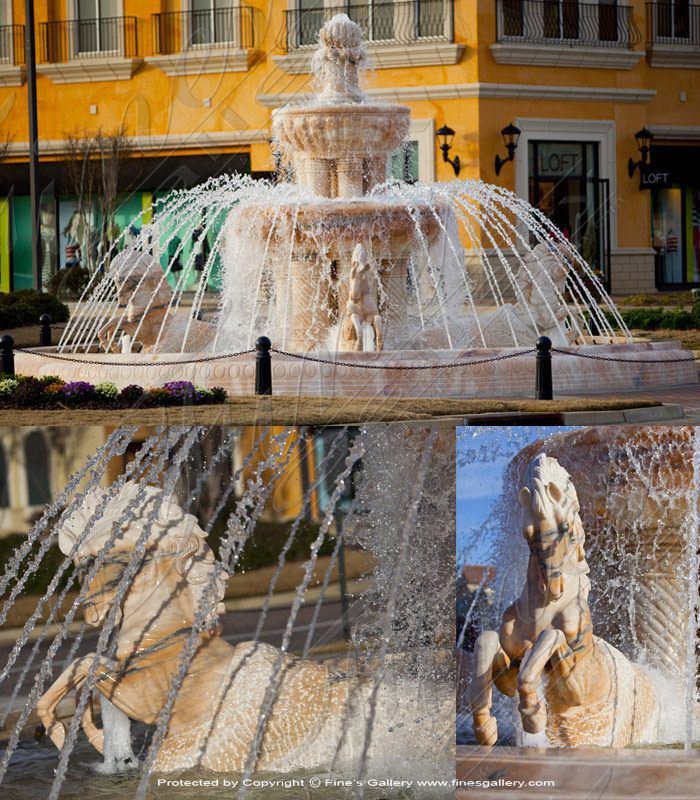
pixel 391 22
pixel 566 22
pixel 87 38
pixel 673 23
pixel 12 45
pixel 175 31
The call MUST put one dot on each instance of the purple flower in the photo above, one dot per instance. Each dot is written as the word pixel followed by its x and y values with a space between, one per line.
pixel 182 391
pixel 78 392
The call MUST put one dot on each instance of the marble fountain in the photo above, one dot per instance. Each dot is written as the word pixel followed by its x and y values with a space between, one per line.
pixel 339 262
pixel 605 665
pixel 163 693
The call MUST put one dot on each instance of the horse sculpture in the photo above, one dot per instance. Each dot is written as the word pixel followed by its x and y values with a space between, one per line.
pixel 318 714
pixel 146 309
pixel 361 306
pixel 592 694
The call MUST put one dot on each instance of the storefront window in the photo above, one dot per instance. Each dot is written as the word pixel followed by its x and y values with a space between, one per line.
pixel 675 227
pixel 565 185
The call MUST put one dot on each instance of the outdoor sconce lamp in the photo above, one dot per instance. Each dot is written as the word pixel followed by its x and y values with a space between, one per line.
pixel 643 138
pixel 446 134
pixel 510 134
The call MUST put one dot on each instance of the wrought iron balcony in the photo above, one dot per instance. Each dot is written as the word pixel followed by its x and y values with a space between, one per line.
pixel 400 22
pixel 12 45
pixel 566 22
pixel 177 31
pixel 673 23
pixel 70 40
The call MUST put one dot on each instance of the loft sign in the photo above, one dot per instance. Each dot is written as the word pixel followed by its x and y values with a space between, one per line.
pixel 654 180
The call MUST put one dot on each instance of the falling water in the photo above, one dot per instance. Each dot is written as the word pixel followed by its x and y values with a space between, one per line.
pixel 638 490
pixel 400 603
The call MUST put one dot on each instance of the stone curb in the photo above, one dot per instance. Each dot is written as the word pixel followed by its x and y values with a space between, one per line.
pixel 651 414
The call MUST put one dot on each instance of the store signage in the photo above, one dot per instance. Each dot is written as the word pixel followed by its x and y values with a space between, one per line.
pixel 650 179
pixel 559 159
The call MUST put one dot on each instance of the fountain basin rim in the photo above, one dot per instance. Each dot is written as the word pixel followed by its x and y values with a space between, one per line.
pixel 294 376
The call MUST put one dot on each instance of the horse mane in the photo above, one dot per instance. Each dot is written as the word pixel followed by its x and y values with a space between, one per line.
pixel 542 471
pixel 172 530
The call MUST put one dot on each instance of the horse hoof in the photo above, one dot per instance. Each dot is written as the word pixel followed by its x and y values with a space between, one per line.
pixel 534 718
pixel 486 734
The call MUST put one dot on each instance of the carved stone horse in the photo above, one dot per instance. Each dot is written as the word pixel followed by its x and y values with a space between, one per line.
pixel 318 714
pixel 146 309
pixel 592 694
pixel 361 305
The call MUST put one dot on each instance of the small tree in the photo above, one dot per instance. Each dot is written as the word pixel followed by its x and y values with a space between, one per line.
pixel 92 168
pixel 6 140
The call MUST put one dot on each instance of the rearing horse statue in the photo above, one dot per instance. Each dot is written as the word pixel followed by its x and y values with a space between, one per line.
pixel 317 717
pixel 592 694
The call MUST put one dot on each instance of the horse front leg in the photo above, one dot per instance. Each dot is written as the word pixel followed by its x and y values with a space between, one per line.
pixel 71 678
pixel 532 712
pixel 378 333
pixel 489 657
pixel 357 324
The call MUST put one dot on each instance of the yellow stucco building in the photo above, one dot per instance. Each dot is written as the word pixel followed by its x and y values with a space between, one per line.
pixel 194 83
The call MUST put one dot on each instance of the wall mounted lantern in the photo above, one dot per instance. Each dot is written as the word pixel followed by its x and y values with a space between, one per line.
pixel 445 136
pixel 644 138
pixel 510 134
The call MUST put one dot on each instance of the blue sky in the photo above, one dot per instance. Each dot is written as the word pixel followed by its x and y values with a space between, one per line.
pixel 483 453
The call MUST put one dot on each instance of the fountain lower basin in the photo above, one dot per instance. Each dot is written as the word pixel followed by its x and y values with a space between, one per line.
pixel 398 376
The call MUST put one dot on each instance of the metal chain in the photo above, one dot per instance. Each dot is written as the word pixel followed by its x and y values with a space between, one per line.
pixel 281 352
pixel 132 363
pixel 386 366
pixel 627 360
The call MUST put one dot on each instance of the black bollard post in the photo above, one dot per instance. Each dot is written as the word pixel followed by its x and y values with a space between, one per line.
pixel 7 355
pixel 543 369
pixel 263 366
pixel 45 331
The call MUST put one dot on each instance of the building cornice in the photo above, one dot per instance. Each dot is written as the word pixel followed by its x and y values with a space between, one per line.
pixel 676 132
pixel 383 56
pixel 674 56
pixel 461 91
pixel 90 70
pixel 11 75
pixel 204 140
pixel 553 55
pixel 202 61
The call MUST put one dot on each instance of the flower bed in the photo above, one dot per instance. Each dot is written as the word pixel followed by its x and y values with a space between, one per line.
pixel 19 391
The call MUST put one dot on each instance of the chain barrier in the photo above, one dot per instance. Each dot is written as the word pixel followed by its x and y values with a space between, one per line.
pixel 131 363
pixel 273 350
pixel 301 357
pixel 416 367
pixel 627 360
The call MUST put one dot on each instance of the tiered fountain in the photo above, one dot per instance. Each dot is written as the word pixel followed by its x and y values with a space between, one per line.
pixel 344 263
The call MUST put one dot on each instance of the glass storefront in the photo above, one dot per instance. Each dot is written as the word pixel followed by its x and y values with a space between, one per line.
pixel 675 215
pixel 564 183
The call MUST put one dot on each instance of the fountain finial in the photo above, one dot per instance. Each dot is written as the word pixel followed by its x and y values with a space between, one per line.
pixel 339 59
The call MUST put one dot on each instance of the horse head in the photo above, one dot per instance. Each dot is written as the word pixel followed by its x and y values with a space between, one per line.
pixel 551 524
pixel 109 526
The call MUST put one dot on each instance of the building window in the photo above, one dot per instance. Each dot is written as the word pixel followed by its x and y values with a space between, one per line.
pixel 564 184
pixel 98 26
pixel 675 231
pixel 404 162
pixel 213 22
pixel 673 20
pixel 37 464
pixel 4 480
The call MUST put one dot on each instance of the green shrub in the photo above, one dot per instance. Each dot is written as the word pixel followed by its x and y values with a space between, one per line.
pixel 25 306
pixel 652 319
pixel 265 545
pixel 69 282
